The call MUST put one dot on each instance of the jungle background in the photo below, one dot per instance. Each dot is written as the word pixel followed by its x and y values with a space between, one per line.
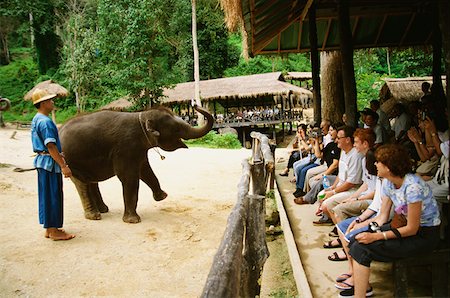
pixel 101 50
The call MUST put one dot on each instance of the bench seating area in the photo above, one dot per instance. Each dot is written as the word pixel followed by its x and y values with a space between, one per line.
pixel 439 260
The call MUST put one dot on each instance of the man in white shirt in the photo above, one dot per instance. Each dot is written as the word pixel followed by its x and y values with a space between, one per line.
pixel 349 176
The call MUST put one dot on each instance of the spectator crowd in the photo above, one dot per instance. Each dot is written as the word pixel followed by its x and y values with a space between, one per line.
pixel 381 186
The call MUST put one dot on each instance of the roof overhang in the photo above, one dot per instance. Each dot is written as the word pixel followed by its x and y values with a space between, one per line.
pixel 280 26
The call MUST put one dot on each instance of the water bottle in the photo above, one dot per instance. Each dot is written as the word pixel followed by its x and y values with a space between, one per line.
pixel 325 182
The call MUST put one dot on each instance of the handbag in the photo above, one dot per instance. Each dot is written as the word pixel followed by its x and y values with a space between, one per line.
pixel 398 221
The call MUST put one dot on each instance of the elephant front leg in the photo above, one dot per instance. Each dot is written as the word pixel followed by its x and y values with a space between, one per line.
pixel 150 179
pixel 90 207
pixel 130 197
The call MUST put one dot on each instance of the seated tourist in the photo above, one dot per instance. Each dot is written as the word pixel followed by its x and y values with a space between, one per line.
pixel 329 159
pixel 383 118
pixel 402 122
pixel 371 120
pixel 413 201
pixel 349 175
pixel 361 199
pixel 328 163
pixel 299 148
pixel 348 229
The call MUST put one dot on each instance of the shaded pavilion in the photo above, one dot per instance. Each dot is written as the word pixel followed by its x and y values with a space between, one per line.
pixel 229 98
pixel 278 27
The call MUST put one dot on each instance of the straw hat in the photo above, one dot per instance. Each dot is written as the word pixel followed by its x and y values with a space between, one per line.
pixel 40 95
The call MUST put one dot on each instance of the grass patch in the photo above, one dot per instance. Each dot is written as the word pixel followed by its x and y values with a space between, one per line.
pixel 216 141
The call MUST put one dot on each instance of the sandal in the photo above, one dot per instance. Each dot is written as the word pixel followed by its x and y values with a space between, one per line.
pixel 329 244
pixel 343 277
pixel 335 257
pixel 284 174
pixel 343 285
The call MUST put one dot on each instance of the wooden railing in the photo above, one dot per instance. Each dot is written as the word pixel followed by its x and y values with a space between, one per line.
pixel 238 263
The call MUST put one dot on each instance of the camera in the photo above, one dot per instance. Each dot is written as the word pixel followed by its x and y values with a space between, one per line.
pixel 315 132
pixel 374 227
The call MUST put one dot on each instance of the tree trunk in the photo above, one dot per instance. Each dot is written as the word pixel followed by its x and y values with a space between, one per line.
pixel 444 22
pixel 200 118
pixel 332 88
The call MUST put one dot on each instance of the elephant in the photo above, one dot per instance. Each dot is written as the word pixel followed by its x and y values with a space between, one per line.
pixel 104 144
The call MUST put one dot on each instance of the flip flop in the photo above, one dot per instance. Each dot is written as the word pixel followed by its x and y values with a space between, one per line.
pixel 343 277
pixel 336 258
pixel 343 285
pixel 330 245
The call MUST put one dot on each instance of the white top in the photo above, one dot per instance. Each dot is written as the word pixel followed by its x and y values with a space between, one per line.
pixel 376 202
pixel 350 169
pixel 383 120
pixel 380 134
pixel 368 179
pixel 326 140
pixel 402 122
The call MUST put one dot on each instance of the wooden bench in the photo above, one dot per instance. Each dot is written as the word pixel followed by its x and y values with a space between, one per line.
pixel 439 260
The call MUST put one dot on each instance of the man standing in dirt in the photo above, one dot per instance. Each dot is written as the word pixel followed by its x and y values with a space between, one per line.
pixel 49 163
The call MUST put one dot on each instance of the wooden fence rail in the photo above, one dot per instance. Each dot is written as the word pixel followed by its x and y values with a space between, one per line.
pixel 239 261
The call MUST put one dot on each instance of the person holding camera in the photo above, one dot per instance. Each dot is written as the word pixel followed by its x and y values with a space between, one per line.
pixel 318 141
pixel 416 230
pixel 299 149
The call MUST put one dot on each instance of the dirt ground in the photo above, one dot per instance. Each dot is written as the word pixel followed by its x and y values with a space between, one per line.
pixel 168 254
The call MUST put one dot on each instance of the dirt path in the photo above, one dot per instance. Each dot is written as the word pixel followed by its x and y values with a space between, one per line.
pixel 168 254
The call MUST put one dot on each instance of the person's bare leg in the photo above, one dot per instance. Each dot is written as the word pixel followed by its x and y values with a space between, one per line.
pixel 361 279
pixel 344 242
pixel 56 234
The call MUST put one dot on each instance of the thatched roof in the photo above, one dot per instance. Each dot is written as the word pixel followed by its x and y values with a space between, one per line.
pixel 241 87
pixel 299 76
pixel 118 105
pixel 51 87
pixel 405 89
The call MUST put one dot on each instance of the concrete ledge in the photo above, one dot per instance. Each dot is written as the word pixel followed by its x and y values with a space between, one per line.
pixel 301 281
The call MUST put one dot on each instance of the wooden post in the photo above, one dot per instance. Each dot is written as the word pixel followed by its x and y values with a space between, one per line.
pixel 255 248
pixel 437 89
pixel 348 72
pixel 444 19
pixel 315 65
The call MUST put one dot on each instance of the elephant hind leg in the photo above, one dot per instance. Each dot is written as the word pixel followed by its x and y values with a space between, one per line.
pixel 96 197
pixel 90 207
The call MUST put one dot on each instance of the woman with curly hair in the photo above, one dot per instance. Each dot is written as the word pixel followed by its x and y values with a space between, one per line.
pixel 413 201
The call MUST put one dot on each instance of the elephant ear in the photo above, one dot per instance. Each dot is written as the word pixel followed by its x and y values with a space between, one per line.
pixel 151 133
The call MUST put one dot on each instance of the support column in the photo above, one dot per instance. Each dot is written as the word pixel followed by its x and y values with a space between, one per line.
pixel 348 72
pixel 315 65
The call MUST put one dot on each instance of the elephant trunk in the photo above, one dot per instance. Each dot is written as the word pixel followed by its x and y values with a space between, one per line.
pixel 195 133
pixel 5 104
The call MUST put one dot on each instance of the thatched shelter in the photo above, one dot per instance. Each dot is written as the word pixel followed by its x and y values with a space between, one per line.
pixel 403 90
pixel 298 76
pixel 120 104
pixel 50 86
pixel 256 89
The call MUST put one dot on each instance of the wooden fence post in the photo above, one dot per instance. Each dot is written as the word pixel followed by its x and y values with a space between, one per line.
pixel 255 248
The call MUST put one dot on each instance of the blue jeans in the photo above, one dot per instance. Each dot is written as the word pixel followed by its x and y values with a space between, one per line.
pixel 299 164
pixel 300 176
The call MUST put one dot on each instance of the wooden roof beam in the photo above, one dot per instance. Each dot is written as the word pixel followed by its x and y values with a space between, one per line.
pixel 326 34
pixel 380 30
pixel 411 20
